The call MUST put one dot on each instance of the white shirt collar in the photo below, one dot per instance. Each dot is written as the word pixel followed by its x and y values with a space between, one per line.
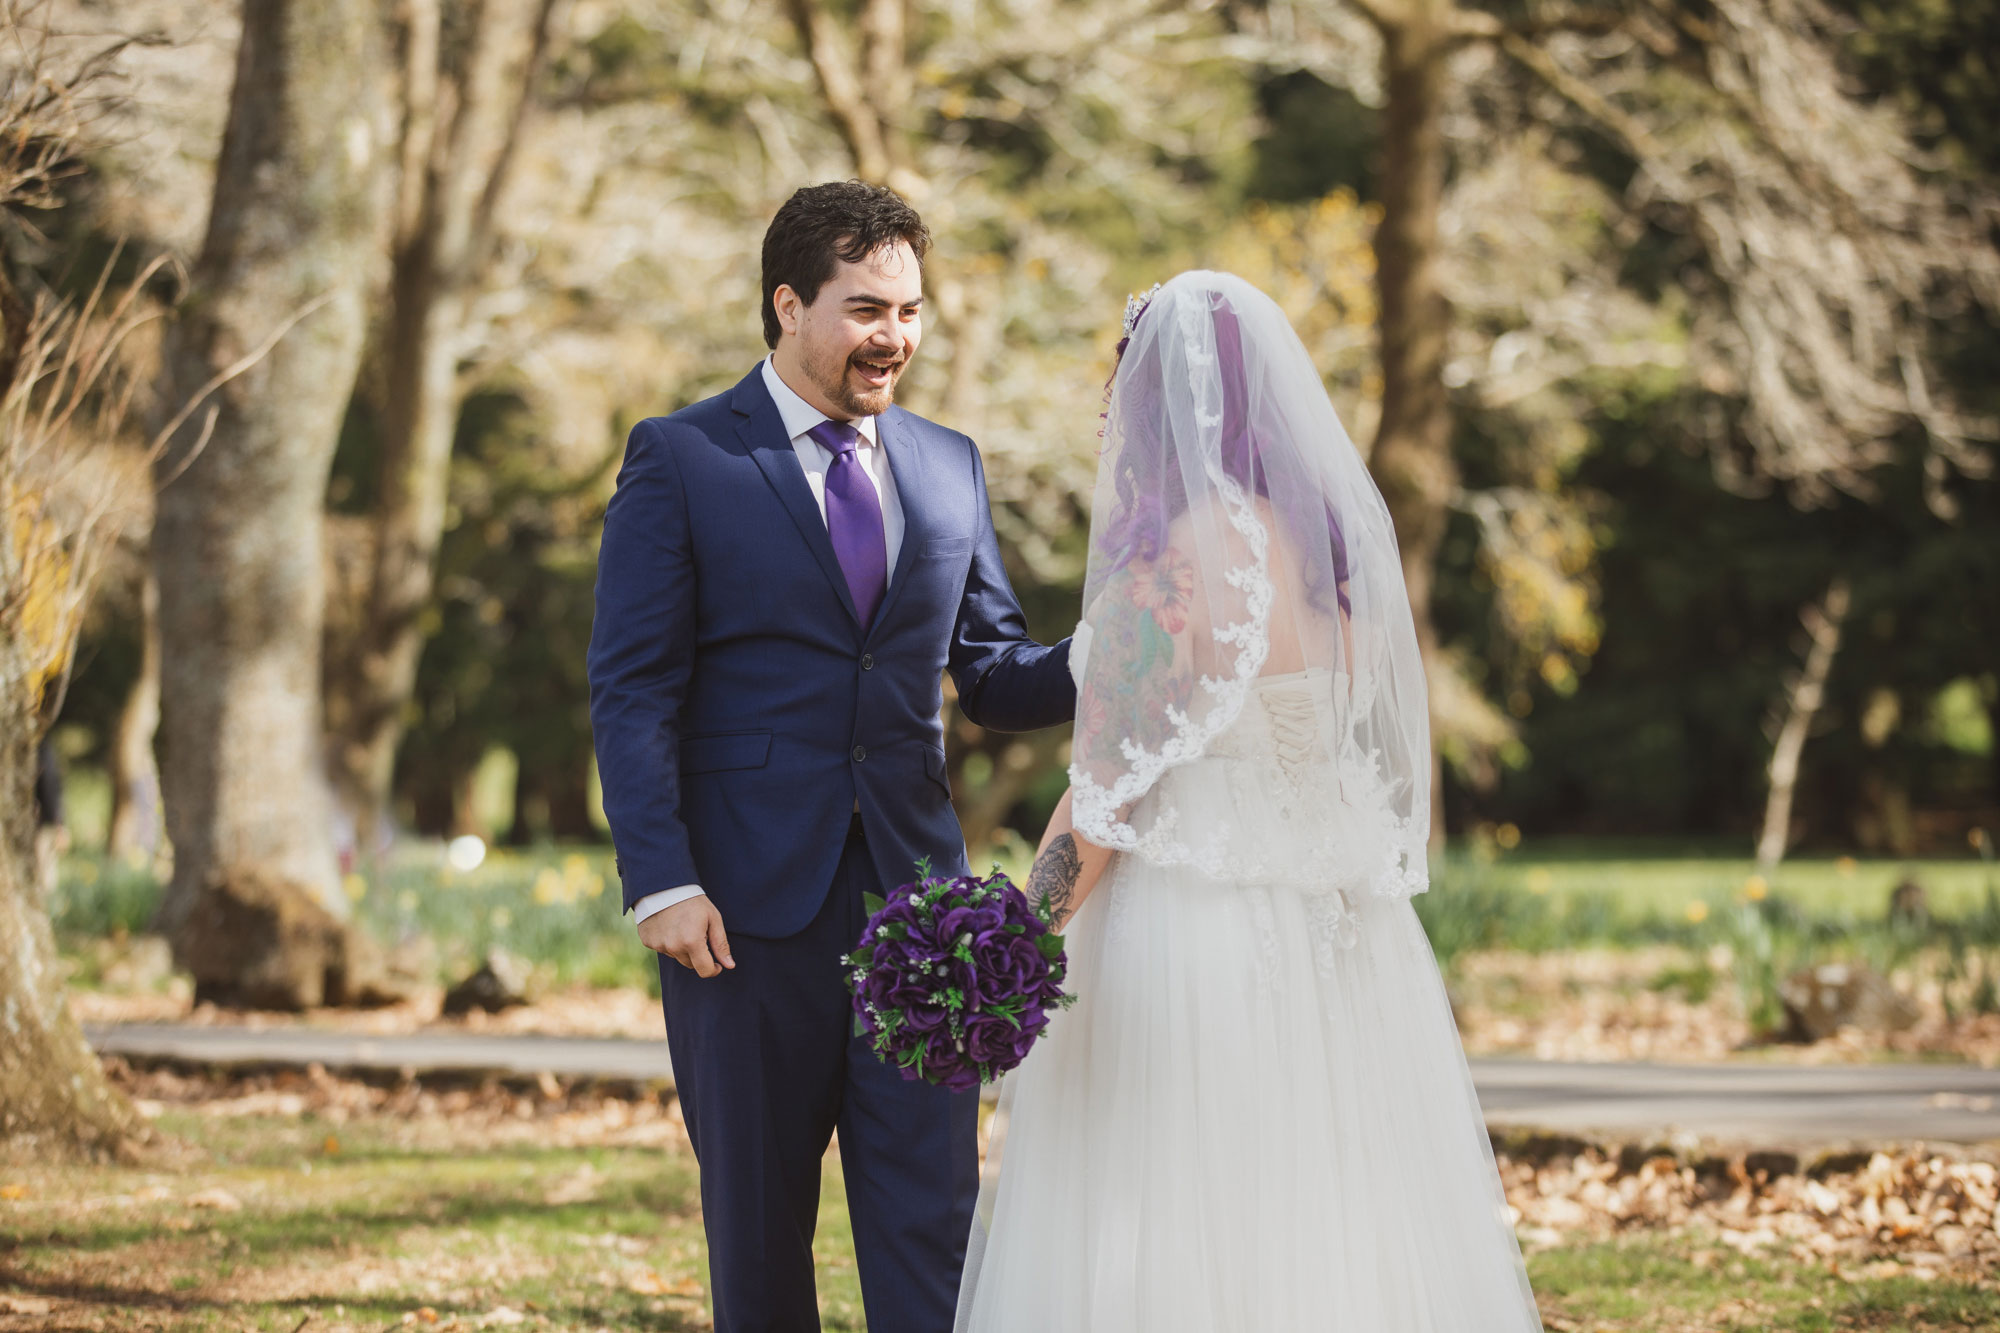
pixel 801 416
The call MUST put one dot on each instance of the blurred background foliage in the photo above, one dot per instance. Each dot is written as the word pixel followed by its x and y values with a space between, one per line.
pixel 1617 599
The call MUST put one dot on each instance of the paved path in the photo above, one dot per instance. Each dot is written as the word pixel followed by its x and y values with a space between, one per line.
pixel 1804 1104
pixel 1792 1104
pixel 425 1052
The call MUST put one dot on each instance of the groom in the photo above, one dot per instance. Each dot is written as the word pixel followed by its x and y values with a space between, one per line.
pixel 787 569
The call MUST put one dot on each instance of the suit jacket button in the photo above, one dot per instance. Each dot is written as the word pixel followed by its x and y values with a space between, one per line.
pixel 860 753
pixel 867 661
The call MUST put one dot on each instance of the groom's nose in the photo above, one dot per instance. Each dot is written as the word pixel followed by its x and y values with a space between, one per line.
pixel 888 338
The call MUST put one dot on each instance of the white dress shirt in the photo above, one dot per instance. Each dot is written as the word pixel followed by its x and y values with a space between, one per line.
pixel 799 417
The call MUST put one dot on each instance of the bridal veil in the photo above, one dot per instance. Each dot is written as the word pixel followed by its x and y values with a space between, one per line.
pixel 1237 535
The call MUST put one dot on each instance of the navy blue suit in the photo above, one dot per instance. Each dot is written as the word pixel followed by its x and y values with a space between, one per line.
pixel 742 716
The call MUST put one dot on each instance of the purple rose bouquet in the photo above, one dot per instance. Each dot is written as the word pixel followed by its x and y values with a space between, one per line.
pixel 954 979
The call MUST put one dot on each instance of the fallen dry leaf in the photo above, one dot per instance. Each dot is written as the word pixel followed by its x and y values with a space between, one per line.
pixel 219 1199
pixel 1919 1209
pixel 580 1186
pixel 501 1316
pixel 13 1191
pixel 26 1305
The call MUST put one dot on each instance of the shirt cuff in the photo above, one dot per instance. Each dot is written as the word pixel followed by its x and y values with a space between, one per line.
pixel 661 901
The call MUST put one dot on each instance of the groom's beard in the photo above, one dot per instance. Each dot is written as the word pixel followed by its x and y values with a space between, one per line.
pixel 837 378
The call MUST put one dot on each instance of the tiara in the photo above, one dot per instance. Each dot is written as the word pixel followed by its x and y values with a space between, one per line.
pixel 1135 306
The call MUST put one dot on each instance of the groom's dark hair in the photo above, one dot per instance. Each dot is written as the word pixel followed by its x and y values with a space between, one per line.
pixel 823 226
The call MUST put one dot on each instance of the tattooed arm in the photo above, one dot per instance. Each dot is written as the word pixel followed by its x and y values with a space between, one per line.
pixel 1066 868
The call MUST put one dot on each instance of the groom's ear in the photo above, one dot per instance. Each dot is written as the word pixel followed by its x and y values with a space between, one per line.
pixel 785 303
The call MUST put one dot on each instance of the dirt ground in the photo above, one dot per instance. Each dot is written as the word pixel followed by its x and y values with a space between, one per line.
pixel 304 1203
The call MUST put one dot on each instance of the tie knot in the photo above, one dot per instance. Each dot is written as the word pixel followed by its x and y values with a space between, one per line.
pixel 836 437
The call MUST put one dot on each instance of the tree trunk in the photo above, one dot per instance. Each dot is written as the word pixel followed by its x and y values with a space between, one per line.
pixel 1412 459
pixel 430 804
pixel 528 791
pixel 52 1093
pixel 366 710
pixel 137 835
pixel 254 903
pixel 1017 762
pixel 1802 705
pixel 1993 755
pixel 54 1098
pixel 461 133
pixel 437 783
pixel 568 793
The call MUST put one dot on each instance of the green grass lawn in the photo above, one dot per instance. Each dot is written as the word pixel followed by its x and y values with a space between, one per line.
pixel 365 1224
pixel 1666 880
pixel 1661 1284
pixel 558 907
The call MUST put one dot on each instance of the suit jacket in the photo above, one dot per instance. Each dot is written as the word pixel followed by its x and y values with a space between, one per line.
pixel 740 709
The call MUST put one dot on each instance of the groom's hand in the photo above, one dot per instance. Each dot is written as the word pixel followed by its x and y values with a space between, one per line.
pixel 691 934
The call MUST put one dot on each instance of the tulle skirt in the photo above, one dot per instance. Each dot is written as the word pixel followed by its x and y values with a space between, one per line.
pixel 1256 1118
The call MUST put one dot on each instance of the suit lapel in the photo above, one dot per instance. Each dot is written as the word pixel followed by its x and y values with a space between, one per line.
pixel 762 431
pixel 906 462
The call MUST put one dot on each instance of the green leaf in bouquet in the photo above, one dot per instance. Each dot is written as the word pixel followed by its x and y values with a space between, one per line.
pixel 861 957
pixel 874 902
pixel 1051 946
pixel 896 930
pixel 860 1026
pixel 1016 928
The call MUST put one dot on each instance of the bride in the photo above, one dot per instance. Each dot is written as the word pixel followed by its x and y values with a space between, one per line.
pixel 1257 1117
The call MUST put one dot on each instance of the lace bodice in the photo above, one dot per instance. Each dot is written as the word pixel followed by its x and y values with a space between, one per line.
pixel 1284 727
pixel 1262 804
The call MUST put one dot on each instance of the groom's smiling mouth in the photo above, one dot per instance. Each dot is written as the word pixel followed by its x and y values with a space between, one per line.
pixel 877 372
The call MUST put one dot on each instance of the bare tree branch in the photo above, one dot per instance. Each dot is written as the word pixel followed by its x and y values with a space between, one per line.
pixel 1803 698
pixel 826 46
pixel 1832 246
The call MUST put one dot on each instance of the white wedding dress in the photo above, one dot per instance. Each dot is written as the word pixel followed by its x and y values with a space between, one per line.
pixel 1257 1116
pixel 1246 1123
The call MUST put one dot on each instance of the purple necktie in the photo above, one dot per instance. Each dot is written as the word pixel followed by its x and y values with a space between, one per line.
pixel 854 519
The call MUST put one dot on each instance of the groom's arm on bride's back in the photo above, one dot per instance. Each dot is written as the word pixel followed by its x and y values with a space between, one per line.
pixel 1006 681
pixel 641 655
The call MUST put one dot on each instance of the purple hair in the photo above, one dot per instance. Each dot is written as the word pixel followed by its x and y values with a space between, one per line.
pixel 1138 529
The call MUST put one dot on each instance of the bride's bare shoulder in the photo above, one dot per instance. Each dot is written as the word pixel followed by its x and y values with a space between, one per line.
pixel 1214 521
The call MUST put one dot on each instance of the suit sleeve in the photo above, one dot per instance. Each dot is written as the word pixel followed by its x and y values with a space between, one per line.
pixel 642 640
pixel 1006 681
